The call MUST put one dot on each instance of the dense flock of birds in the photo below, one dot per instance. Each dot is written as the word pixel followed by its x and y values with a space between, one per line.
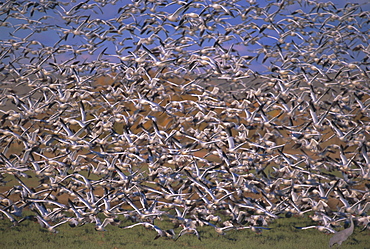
pixel 205 113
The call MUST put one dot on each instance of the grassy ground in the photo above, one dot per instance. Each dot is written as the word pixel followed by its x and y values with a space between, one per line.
pixel 282 235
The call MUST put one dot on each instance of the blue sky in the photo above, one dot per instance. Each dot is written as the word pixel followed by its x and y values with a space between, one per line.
pixel 126 41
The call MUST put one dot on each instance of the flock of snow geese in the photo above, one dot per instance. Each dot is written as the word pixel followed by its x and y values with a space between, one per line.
pixel 228 114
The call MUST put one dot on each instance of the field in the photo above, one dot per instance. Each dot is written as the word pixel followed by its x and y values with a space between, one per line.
pixel 282 235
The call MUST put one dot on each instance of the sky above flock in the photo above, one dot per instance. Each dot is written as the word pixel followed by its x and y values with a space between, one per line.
pixel 56 25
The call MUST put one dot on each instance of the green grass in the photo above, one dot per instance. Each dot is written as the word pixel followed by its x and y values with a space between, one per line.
pixel 282 235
